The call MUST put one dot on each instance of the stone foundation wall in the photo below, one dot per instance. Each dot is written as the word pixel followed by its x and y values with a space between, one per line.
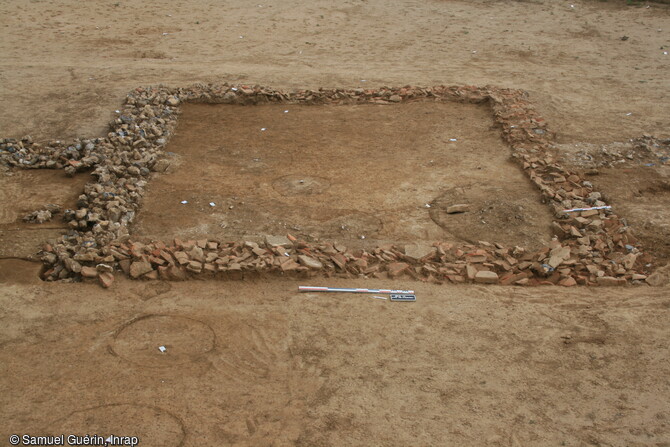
pixel 594 247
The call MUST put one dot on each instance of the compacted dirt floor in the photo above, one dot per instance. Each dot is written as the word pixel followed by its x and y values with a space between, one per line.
pixel 256 363
pixel 362 175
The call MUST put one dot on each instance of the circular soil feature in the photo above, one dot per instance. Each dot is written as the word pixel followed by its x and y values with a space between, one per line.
pixel 152 425
pixel 493 215
pixel 292 185
pixel 183 339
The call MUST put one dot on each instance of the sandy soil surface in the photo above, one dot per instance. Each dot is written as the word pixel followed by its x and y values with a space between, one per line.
pixel 65 67
pixel 255 363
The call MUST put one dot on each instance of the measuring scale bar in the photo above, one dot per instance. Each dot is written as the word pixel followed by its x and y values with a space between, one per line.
pixel 352 290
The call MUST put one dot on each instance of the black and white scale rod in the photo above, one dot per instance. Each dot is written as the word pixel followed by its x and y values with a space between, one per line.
pixel 352 290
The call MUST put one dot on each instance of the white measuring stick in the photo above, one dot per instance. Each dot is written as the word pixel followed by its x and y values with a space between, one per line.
pixel 607 207
pixel 336 289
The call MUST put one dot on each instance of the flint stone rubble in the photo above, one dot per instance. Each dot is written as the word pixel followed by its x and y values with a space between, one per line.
pixel 646 151
pixel 594 248
pixel 486 277
pixel 42 215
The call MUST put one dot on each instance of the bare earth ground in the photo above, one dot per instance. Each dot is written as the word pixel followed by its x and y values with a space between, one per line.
pixel 255 363
pixel 22 192
pixel 297 176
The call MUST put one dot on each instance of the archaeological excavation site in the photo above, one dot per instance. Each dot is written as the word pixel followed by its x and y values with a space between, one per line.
pixel 361 223
pixel 438 184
